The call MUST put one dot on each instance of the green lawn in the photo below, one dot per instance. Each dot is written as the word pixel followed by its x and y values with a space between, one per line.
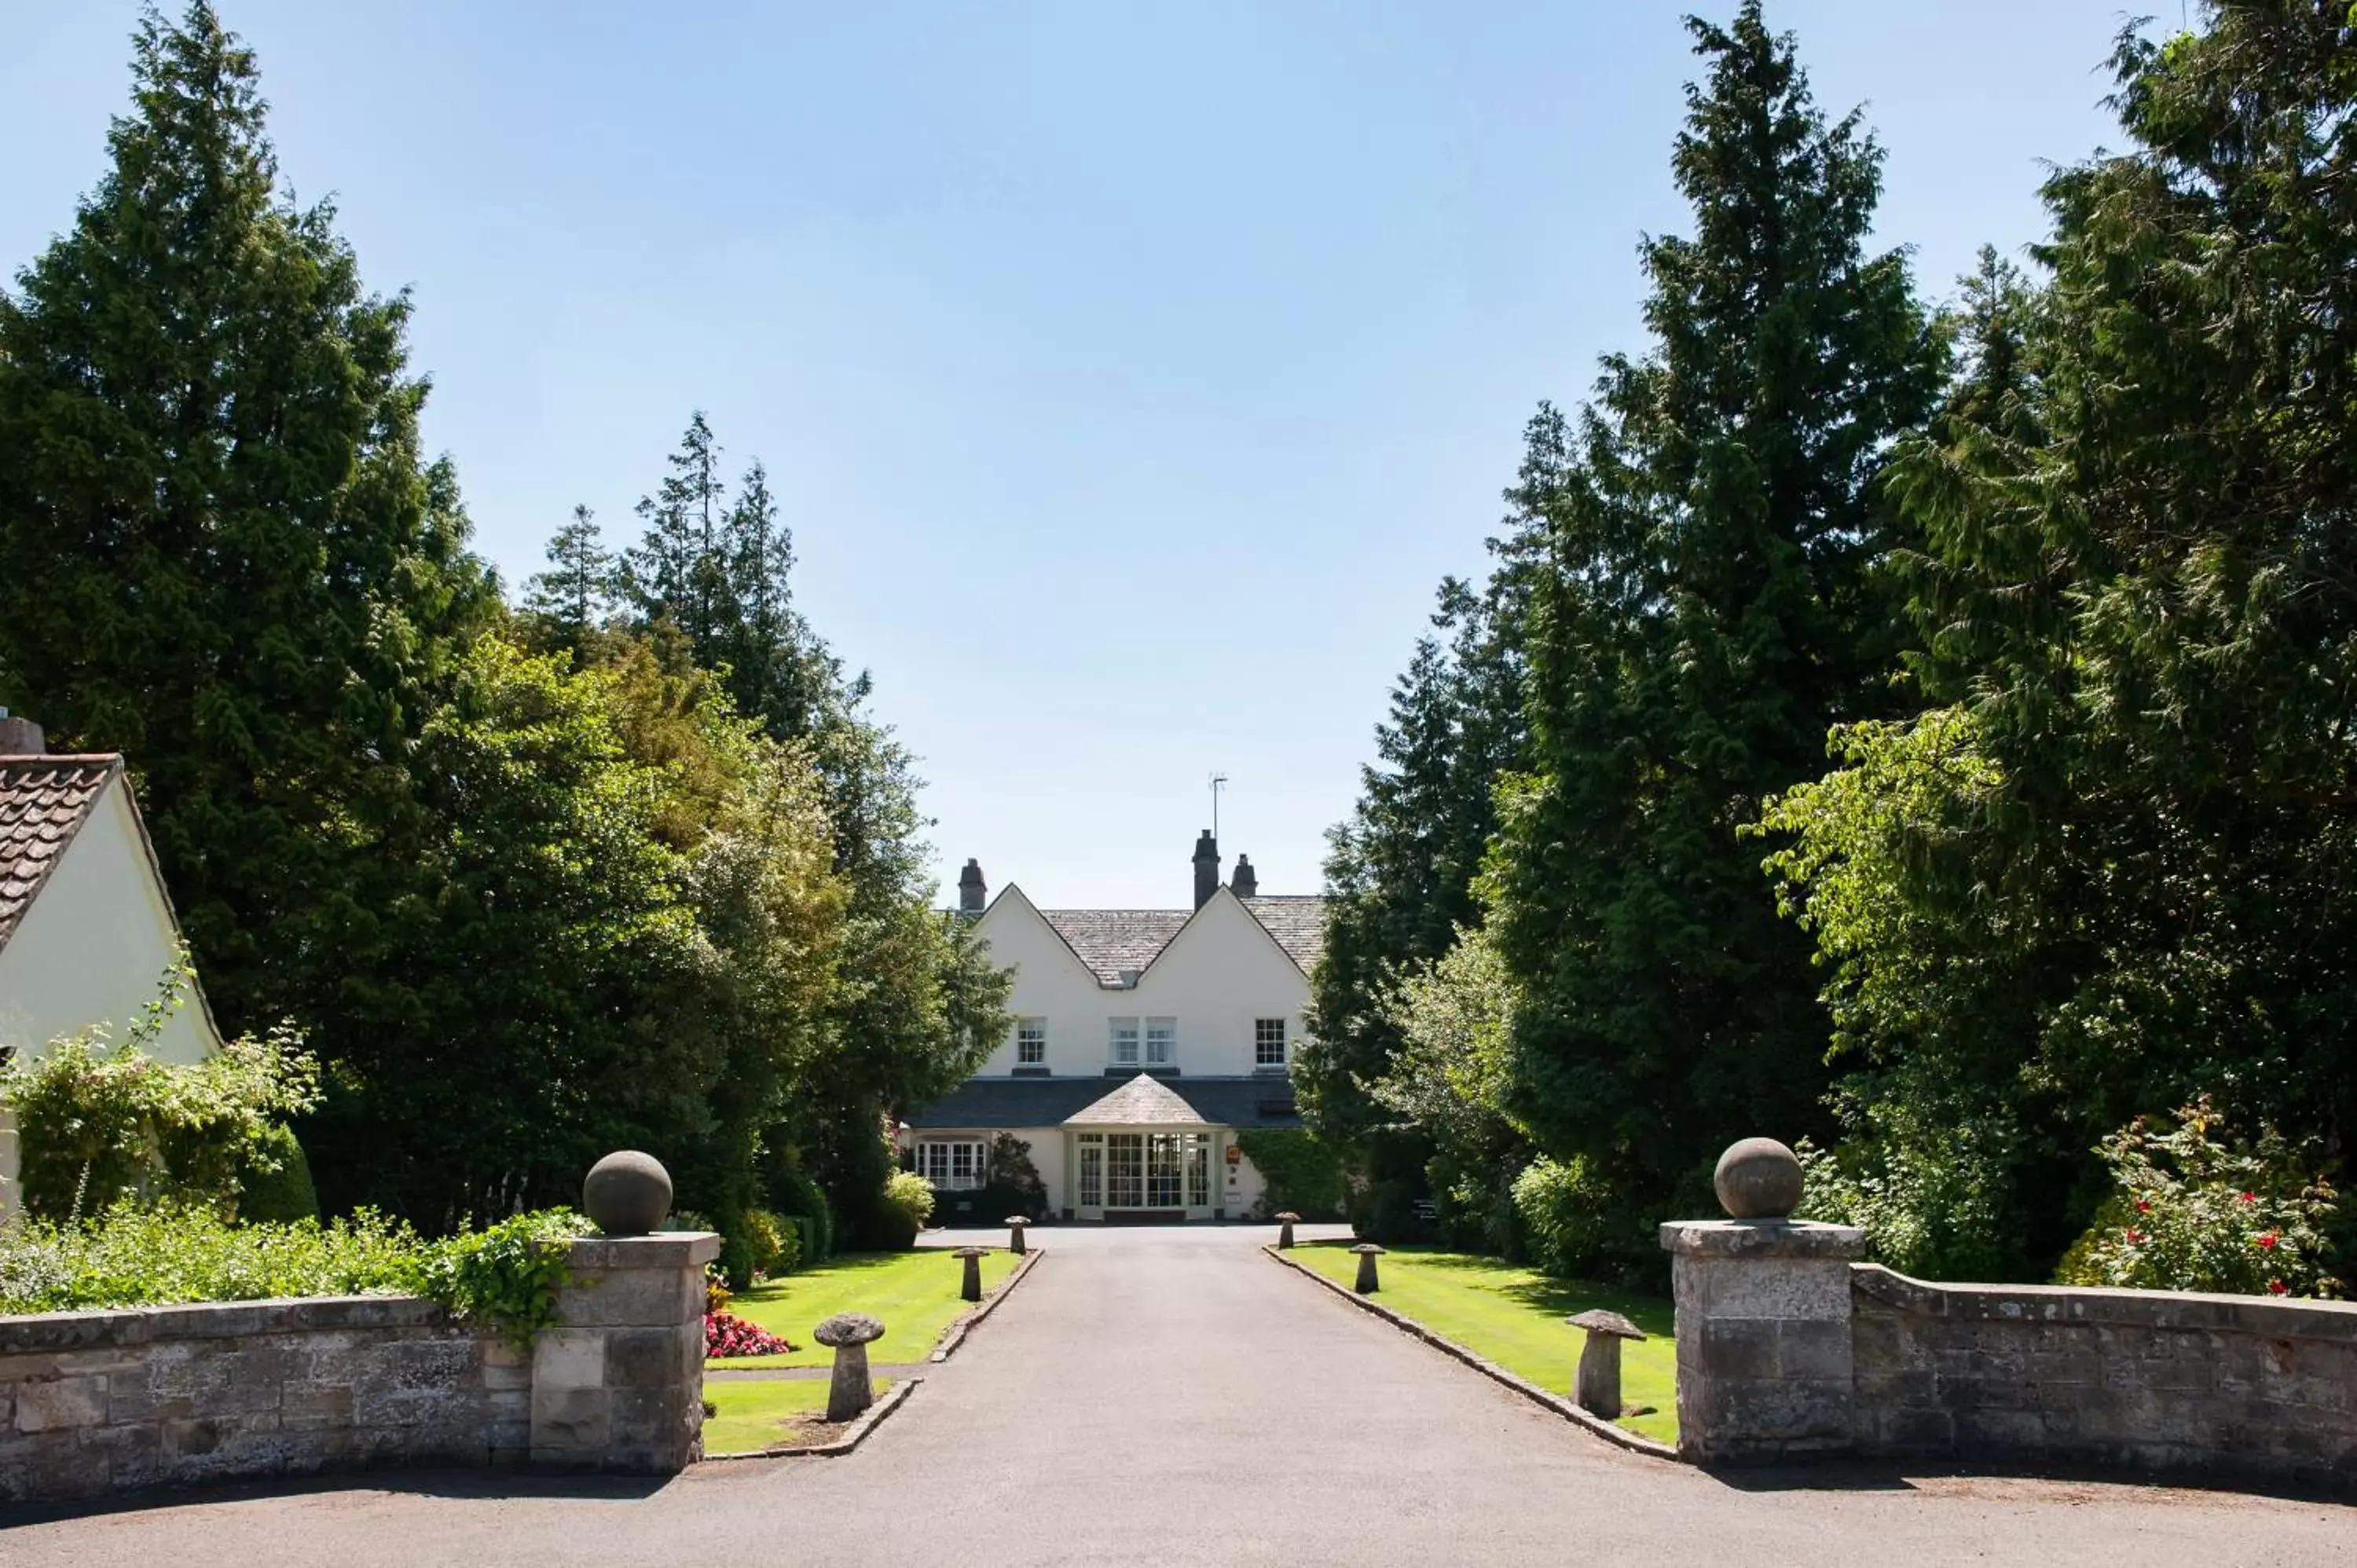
pixel 914 1294
pixel 757 1413
pixel 1515 1316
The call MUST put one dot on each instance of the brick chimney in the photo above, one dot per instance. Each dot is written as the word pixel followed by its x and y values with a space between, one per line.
pixel 1244 884
pixel 973 892
pixel 20 737
pixel 1207 868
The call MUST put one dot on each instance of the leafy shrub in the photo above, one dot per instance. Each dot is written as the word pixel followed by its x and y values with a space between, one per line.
pixel 1562 1214
pixel 795 1197
pixel 986 1206
pixel 2195 1209
pixel 1300 1173
pixel 777 1246
pixel 506 1275
pixel 96 1124
pixel 1930 1188
pixel 148 1255
pixel 275 1185
pixel 908 1204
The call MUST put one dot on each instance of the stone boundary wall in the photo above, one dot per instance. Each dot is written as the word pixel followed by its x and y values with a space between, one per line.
pixel 93 1403
pixel 2148 1380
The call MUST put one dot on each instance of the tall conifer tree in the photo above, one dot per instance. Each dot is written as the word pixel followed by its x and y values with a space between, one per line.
pixel 680 570
pixel 576 593
pixel 225 556
pixel 1710 602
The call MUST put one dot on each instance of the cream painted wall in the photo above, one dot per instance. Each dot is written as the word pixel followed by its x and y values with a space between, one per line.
pixel 1218 976
pixel 90 951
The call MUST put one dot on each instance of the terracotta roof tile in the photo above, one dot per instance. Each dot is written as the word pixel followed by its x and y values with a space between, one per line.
pixel 44 801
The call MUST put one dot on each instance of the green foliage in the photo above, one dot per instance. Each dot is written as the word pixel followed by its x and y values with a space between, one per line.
pixel 576 594
pixel 274 1184
pixel 1712 592
pixel 777 1246
pixel 1450 1077
pixel 1567 1215
pixel 99 1124
pixel 506 1275
pixel 2112 870
pixel 2192 1208
pixel 908 1204
pixel 797 1198
pixel 142 1255
pixel 1300 1172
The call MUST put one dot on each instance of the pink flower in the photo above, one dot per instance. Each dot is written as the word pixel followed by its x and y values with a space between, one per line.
pixel 2267 1239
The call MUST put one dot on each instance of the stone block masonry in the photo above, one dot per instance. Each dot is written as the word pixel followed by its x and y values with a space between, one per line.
pixel 92 1402
pixel 2149 1380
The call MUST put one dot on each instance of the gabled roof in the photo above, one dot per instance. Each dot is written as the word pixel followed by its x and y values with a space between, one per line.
pixel 44 801
pixel 1141 1100
pixel 1112 942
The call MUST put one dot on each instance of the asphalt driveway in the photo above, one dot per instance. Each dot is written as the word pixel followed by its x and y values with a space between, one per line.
pixel 1172 1396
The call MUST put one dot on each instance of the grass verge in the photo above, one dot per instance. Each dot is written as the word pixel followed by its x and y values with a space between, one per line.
pixel 914 1294
pixel 1513 1316
pixel 782 1413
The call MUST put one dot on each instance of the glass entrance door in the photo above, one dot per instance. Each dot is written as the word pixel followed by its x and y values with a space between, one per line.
pixel 1142 1171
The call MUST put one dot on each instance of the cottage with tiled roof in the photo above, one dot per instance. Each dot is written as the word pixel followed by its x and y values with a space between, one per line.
pixel 1144 1041
pixel 86 929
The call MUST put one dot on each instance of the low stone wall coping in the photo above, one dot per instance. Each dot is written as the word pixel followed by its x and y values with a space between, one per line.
pixel 2333 1321
pixel 111 1328
pixel 664 1250
pixel 1761 1239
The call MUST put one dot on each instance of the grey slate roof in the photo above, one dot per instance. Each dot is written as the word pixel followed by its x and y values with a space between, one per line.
pixel 1112 940
pixel 44 801
pixel 1142 1101
pixel 992 1103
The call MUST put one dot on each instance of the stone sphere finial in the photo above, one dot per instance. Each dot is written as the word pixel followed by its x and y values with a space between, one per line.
pixel 627 1193
pixel 1757 1179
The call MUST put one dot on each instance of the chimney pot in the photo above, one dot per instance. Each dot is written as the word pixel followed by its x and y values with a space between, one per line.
pixel 972 891
pixel 20 736
pixel 1207 868
pixel 1245 884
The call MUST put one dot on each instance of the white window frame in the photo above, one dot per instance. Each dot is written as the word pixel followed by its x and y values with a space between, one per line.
pixel 1124 1041
pixel 1031 1042
pixel 1261 1042
pixel 953 1164
pixel 1161 1042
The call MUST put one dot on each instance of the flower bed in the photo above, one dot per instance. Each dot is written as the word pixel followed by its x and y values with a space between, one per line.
pixel 726 1334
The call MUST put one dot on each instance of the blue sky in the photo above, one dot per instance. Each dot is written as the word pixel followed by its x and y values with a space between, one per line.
pixel 1130 375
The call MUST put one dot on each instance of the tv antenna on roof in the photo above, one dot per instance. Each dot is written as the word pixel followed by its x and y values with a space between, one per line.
pixel 1219 782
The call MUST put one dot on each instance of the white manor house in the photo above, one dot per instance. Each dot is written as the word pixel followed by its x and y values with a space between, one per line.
pixel 1144 1041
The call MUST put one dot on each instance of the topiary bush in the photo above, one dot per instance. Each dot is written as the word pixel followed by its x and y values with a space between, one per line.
pixel 1561 1213
pixel 275 1185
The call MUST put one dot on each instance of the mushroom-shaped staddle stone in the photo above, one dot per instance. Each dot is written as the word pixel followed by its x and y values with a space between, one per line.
pixel 1288 1217
pixel 1014 1224
pixel 970 1287
pixel 849 1334
pixel 1757 1179
pixel 627 1193
pixel 1596 1387
pixel 1367 1282
pixel 1284 1223
pixel 844 1328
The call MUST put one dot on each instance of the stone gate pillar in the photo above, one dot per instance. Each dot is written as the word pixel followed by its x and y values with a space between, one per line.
pixel 1763 1318
pixel 619 1383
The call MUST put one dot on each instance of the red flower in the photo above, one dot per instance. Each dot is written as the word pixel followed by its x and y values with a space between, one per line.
pixel 2267 1239
pixel 2144 1206
pixel 2248 1198
pixel 2276 1287
pixel 2132 1235
pixel 726 1334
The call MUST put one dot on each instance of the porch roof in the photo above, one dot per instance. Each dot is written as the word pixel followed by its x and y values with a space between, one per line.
pixel 1139 1102
pixel 992 1103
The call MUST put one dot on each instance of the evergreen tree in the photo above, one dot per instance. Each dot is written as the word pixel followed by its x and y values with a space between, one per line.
pixel 774 672
pixel 225 556
pixel 1713 597
pixel 679 571
pixel 2115 871
pixel 576 593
